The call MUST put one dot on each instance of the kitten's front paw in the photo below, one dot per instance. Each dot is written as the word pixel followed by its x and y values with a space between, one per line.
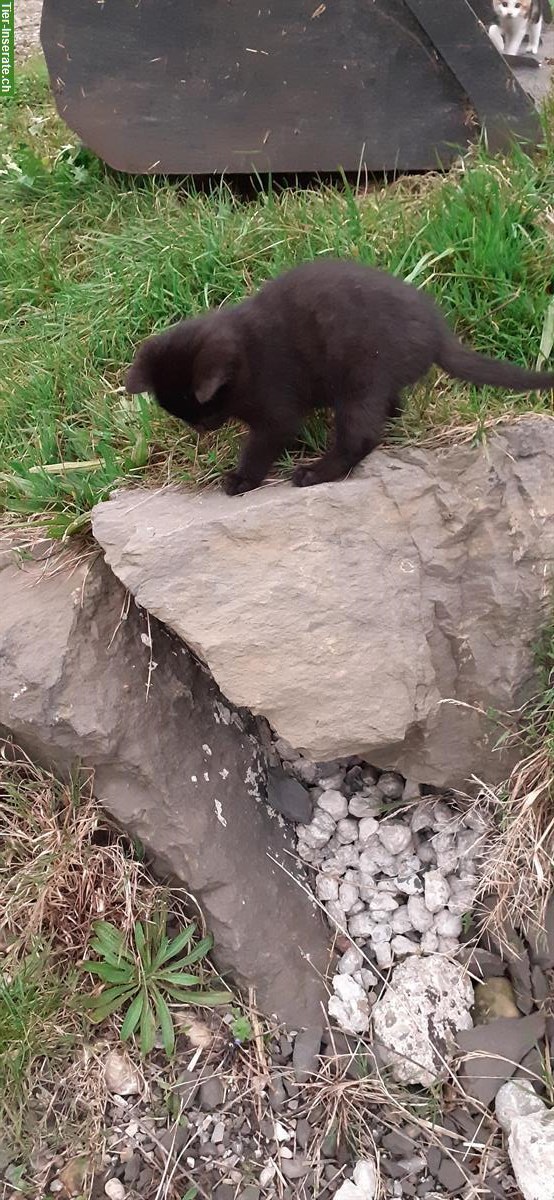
pixel 236 484
pixel 305 477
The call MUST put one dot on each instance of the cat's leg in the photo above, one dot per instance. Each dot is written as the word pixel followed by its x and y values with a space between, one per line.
pixel 359 427
pixel 518 29
pixel 495 34
pixel 535 31
pixel 258 454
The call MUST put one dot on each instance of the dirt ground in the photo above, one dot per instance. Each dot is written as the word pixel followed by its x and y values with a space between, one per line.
pixel 27 26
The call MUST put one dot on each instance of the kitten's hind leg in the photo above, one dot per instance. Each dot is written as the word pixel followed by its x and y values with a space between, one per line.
pixel 358 429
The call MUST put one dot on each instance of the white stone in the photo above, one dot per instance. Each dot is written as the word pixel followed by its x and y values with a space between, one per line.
pixel 400 921
pixel 516 1098
pixel 364 806
pixel 448 924
pixel 376 856
pixel 366 1178
pixel 336 913
pixel 402 945
pixel 429 942
pixel 381 933
pixel 348 896
pixel 366 979
pixel 361 925
pixel 334 803
pixel 436 891
pixel 349 1005
pixel 347 830
pixel 419 914
pixel 383 902
pixel 318 832
pixel 356 908
pixel 383 955
pixel 422 818
pixel 448 945
pixel 394 836
pixel 351 961
pixel 531 1151
pixel 333 782
pixel 426 853
pixel 327 887
pixel 368 829
pixel 121 1077
pixel 115 1190
pixel 416 1019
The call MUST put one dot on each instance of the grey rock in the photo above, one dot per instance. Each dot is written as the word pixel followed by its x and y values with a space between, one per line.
pixel 276 1093
pixel 447 924
pixel 288 797
pixel 492 1052
pixel 391 785
pixel 212 1093
pixel 417 517
pixel 132 1169
pixel 295 1168
pixel 250 1192
pixel 401 946
pixel 540 985
pixel 417 1018
pixel 400 921
pixel 319 831
pixel 305 1055
pixel 305 771
pixel 186 1089
pixel 73 686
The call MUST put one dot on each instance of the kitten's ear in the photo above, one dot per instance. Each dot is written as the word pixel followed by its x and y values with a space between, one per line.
pixel 213 367
pixel 209 382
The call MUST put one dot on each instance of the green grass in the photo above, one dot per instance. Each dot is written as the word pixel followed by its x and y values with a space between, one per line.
pixel 92 261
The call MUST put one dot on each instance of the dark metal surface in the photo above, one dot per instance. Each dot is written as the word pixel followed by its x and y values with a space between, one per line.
pixel 207 86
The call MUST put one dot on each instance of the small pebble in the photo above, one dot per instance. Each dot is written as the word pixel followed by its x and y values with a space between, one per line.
pixel 333 803
pixel 348 896
pixel 402 945
pixel 361 925
pixel 436 891
pixel 351 961
pixel 381 933
pixel 115 1189
pixel 347 830
pixel 448 924
pixel 391 785
pixel 394 836
pixel 419 914
pixel 365 805
pixel 327 887
pixel 367 829
pixel 400 921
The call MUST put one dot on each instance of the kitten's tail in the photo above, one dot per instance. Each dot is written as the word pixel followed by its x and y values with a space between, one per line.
pixel 463 363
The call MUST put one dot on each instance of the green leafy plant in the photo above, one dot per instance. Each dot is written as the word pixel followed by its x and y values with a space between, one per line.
pixel 241 1027
pixel 142 973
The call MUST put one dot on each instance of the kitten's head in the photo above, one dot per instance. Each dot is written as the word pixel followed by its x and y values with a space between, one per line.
pixel 512 8
pixel 192 369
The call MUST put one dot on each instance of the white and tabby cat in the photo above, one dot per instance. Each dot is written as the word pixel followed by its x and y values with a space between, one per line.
pixel 517 20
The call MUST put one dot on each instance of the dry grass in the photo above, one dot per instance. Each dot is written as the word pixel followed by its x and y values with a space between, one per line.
pixel 62 866
pixel 519 868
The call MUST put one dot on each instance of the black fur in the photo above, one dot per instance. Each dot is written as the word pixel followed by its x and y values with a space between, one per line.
pixel 329 334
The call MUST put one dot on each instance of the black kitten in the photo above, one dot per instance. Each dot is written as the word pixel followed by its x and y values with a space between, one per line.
pixel 327 334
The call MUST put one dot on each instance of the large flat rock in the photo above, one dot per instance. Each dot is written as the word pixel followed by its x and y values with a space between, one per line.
pixel 380 616
pixel 85 676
